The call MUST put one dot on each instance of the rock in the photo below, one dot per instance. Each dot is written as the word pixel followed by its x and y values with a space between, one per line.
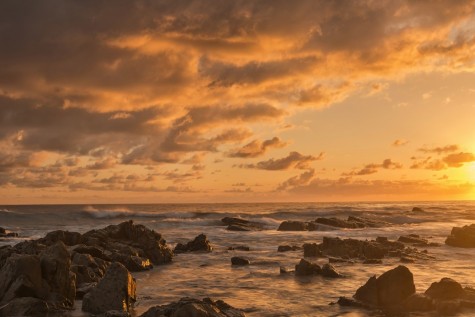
pixel 339 260
pixel 200 243
pixel 311 249
pixel 463 237
pixel 239 224
pixel 115 291
pixel 94 251
pixel 240 248
pixel 25 306
pixel 373 261
pixel 190 307
pixel 83 289
pixel 115 313
pixel 339 223
pixel 352 248
pixel 128 238
pixel 2 231
pixel 285 248
pixel 237 260
pixel 405 259
pixel 305 267
pixel 67 237
pixel 445 289
pixel 388 290
pixel 418 302
pixel 284 270
pixel 417 209
pixel 290 225
pixel 329 271
pixel 413 239
pixel 7 234
pixel 55 270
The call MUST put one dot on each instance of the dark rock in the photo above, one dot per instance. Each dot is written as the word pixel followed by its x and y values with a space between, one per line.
pixel 311 249
pixel 344 301
pixel 190 307
pixel 413 239
pixel 339 260
pixel 329 271
pixel 339 223
pixel 405 259
pixel 55 270
pixel 237 260
pixel 445 289
pixel 200 243
pixel 115 313
pixel 290 225
pixel 239 248
pixel 388 290
pixel 83 289
pixel 418 302
pixel 94 251
pixel 373 261
pixel 7 234
pixel 285 248
pixel 67 237
pixel 2 231
pixel 463 237
pixel 115 291
pixel 352 248
pixel 25 306
pixel 239 224
pixel 417 209
pixel 305 267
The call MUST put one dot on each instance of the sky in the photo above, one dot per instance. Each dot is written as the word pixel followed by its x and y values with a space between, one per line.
pixel 236 101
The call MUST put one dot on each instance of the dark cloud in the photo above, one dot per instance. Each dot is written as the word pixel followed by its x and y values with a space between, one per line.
pixel 454 160
pixel 257 148
pixel 373 168
pixel 293 160
pixel 297 181
pixel 440 149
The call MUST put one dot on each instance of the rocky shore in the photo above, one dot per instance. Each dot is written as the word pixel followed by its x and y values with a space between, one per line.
pixel 46 275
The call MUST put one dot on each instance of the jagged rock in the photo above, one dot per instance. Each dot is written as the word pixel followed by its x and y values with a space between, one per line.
pixel 290 225
pixel 115 291
pixel 463 237
pixel 305 267
pixel 25 306
pixel 55 270
pixel 94 251
pixel 311 250
pixel 67 237
pixel 388 290
pixel 413 239
pixel 445 289
pixel 239 224
pixel 239 248
pixel 83 289
pixel 190 307
pixel 7 234
pixel 237 260
pixel 200 243
pixel 285 248
pixel 329 271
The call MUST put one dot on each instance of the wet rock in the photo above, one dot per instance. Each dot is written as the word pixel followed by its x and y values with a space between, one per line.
pixel 290 225
pixel 463 237
pixel 187 307
pixel 94 251
pixel 339 260
pixel 83 289
pixel 352 248
pixel 67 237
pixel 200 243
pixel 239 248
pixel 7 234
pixel 339 223
pixel 305 267
pixel 413 239
pixel 417 209
pixel 116 291
pixel 388 290
pixel 128 238
pixel 311 250
pixel 286 248
pixel 373 261
pixel 329 271
pixel 418 302
pixel 25 306
pixel 445 289
pixel 239 224
pixel 284 270
pixel 239 261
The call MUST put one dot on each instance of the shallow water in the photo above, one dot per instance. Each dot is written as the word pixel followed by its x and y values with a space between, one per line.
pixel 259 288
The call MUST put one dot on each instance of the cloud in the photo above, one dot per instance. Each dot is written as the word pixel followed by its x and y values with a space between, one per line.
pixel 296 181
pixel 293 160
pixel 400 142
pixel 373 168
pixel 458 159
pixel 454 160
pixel 257 148
pixel 440 149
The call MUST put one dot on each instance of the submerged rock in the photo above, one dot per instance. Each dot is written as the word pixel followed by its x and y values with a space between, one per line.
pixel 190 307
pixel 329 271
pixel 305 267
pixel 200 243
pixel 463 237
pixel 239 248
pixel 286 248
pixel 237 260
pixel 239 224
pixel 115 291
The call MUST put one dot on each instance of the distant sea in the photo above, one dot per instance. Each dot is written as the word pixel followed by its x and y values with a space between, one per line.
pixel 259 288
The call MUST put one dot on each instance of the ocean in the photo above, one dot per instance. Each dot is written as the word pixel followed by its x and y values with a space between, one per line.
pixel 259 288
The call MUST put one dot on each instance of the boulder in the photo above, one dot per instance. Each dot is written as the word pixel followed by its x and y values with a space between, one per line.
pixel 239 224
pixel 418 302
pixel 417 209
pixel 311 250
pixel 463 237
pixel 67 237
pixel 290 225
pixel 115 291
pixel 25 306
pixel 237 260
pixel 413 239
pixel 305 267
pixel 445 289
pixel 190 307
pixel 200 243
pixel 388 290
pixel 329 271
pixel 285 248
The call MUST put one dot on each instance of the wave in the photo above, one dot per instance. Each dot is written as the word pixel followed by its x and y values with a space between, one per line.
pixel 111 213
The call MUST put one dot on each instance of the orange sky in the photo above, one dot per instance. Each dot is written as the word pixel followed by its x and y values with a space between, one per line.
pixel 236 101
